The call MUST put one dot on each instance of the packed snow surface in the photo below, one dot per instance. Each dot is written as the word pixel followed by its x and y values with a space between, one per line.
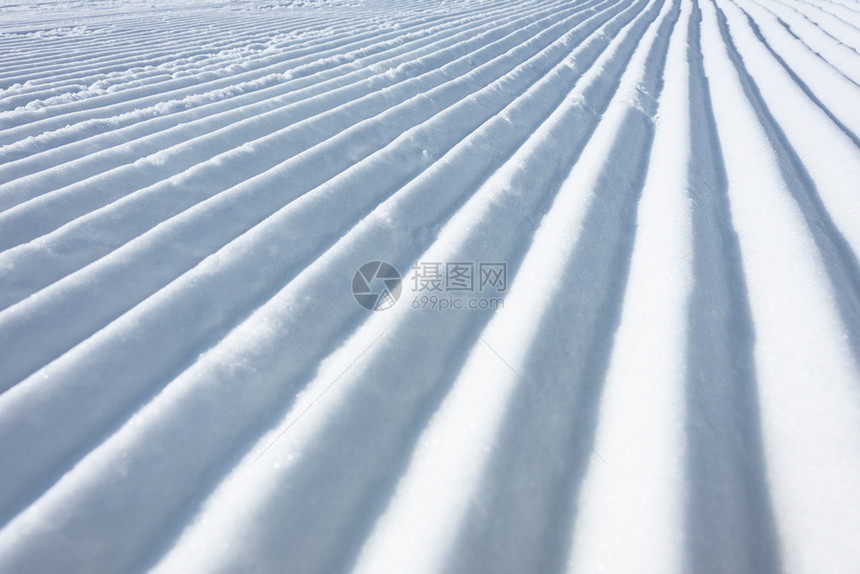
pixel 617 322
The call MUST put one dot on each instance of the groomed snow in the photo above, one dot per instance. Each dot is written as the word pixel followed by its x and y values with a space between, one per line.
pixel 667 380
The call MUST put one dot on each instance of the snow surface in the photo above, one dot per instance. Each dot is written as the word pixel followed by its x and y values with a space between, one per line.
pixel 669 382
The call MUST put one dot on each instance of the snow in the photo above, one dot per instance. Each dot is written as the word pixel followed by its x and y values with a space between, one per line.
pixel 668 381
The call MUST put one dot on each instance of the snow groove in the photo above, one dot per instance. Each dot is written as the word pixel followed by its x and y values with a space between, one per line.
pixel 668 384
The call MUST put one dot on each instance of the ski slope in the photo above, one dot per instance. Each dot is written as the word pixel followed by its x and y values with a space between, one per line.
pixel 666 381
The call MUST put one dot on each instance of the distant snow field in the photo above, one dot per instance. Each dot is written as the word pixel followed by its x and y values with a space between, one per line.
pixel 430 286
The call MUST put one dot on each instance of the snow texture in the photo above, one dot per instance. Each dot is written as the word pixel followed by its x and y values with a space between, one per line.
pixel 669 381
